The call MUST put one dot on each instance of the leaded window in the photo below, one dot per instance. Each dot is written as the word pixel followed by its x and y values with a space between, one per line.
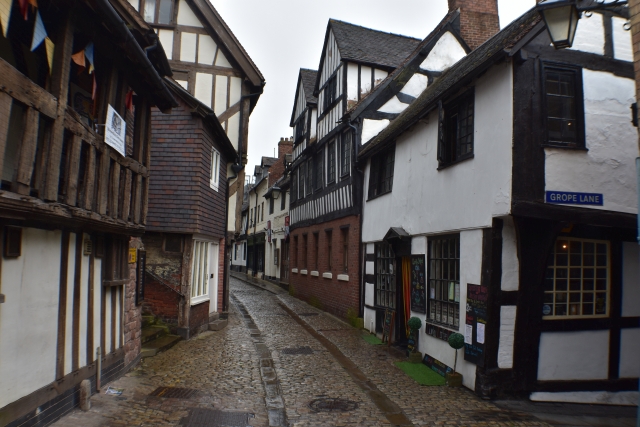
pixel 331 162
pixel 381 173
pixel 309 184
pixel 564 106
pixel 444 281
pixel 345 158
pixel 385 276
pixel 330 92
pixel 319 166
pixel 577 279
pixel 456 139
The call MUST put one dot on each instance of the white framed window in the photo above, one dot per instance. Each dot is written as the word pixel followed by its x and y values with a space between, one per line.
pixel 200 272
pixel 577 280
pixel 215 169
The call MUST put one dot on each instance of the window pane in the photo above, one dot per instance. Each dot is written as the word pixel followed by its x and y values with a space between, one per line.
pixel 150 10
pixel 164 14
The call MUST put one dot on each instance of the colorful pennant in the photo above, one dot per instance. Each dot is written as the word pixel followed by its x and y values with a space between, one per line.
pixel 39 33
pixel 5 14
pixel 88 53
pixel 94 90
pixel 129 100
pixel 33 3
pixel 50 49
pixel 24 9
pixel 78 58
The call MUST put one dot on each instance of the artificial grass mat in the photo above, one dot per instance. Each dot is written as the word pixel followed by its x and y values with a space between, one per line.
pixel 372 339
pixel 421 373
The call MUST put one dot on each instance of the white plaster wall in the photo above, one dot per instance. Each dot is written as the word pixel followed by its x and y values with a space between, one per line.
pixel 416 85
pixel 629 351
pixel 204 88
pixel 231 220
pixel 507 334
pixel 166 38
pixel 379 76
pixel 446 52
pixel 188 47
pixel 206 49
pixel 622 45
pixel 573 355
pixel 314 120
pixel 135 4
pixel 421 199
pixel 609 165
pixel 393 106
pixel 510 263
pixel 590 35
pixel 186 15
pixel 370 320
pixel 220 105
pixel 235 90
pixel 365 80
pixel 627 398
pixel 630 280
pixel 233 131
pixel 419 245
pixel 28 318
pixel 352 82
pixel 221 60
pixel 371 128
pixel 183 83
pixel 470 270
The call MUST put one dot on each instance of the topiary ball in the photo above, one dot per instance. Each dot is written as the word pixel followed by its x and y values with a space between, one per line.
pixel 414 323
pixel 456 341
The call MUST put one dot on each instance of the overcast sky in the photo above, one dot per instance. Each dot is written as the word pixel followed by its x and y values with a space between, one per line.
pixel 282 36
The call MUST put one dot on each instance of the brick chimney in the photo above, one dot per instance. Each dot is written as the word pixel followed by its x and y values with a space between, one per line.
pixel 285 146
pixel 478 20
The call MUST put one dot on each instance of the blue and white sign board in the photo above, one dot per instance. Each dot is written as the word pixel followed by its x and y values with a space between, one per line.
pixel 570 198
pixel 115 130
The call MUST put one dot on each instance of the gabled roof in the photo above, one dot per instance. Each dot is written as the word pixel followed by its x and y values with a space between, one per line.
pixel 213 20
pixel 405 70
pixel 476 62
pixel 207 114
pixel 365 45
pixel 306 79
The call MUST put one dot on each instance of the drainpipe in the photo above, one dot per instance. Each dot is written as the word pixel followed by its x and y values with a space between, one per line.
pixel 227 251
pixel 638 231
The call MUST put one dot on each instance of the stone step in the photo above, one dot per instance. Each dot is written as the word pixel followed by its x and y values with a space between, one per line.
pixel 150 333
pixel 218 325
pixel 148 321
pixel 154 347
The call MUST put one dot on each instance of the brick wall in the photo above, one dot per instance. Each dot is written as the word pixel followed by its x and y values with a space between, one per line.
pixel 285 146
pixel 478 20
pixel 335 296
pixel 132 312
pixel 198 318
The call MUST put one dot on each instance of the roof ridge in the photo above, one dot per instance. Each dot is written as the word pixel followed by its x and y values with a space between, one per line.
pixel 373 29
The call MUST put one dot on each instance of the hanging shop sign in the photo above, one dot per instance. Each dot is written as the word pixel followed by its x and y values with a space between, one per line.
pixel 569 198
pixel 115 131
pixel 475 324
pixel 286 228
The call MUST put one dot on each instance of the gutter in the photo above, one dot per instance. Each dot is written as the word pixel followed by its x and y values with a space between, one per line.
pixel 140 58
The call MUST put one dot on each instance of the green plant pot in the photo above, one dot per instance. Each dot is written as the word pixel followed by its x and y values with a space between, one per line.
pixel 415 357
pixel 454 379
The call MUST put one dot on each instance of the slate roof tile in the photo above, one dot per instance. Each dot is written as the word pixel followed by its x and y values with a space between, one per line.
pixel 308 82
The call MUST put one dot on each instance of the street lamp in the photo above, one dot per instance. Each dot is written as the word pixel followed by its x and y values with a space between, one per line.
pixel 561 16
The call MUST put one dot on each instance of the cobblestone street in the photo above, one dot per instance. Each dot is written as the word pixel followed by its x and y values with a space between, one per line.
pixel 275 357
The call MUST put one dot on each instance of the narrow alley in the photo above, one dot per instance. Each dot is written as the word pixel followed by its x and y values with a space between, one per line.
pixel 275 365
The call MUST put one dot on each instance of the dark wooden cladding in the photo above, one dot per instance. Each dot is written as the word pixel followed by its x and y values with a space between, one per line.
pixel 77 285
pixel 62 305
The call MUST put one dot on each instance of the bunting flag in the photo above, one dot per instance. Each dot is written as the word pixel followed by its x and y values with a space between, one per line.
pixel 33 3
pixel 129 100
pixel 94 90
pixel 88 53
pixel 39 33
pixel 5 14
pixel 24 9
pixel 50 49
pixel 78 58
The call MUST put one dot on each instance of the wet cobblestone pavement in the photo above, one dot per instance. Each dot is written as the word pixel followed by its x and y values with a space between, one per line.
pixel 265 359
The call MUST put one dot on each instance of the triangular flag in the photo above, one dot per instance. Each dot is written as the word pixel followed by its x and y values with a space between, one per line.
pixel 39 33
pixel 94 91
pixel 129 100
pixel 88 53
pixel 24 10
pixel 5 13
pixel 78 58
pixel 50 49
pixel 33 3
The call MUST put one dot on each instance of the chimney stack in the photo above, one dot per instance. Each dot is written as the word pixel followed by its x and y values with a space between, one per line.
pixel 285 146
pixel 478 20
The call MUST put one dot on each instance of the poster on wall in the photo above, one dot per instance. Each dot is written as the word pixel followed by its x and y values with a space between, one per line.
pixel 418 284
pixel 115 131
pixel 140 276
pixel 475 323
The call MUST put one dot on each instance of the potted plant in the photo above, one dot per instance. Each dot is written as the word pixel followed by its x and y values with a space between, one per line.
pixel 456 341
pixel 414 324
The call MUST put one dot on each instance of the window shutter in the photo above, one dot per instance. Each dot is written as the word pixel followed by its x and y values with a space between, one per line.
pixel 440 132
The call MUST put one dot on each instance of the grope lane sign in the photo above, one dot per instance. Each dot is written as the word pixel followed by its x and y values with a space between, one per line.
pixel 569 198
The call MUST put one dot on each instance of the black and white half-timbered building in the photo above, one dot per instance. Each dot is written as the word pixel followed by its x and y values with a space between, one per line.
pixel 76 94
pixel 325 186
pixel 500 203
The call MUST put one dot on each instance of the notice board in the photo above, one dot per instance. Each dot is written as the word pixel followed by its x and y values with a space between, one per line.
pixel 418 285
pixel 475 323
pixel 140 276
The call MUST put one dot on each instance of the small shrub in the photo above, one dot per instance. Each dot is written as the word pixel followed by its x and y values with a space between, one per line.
pixel 315 302
pixel 352 317
pixel 292 291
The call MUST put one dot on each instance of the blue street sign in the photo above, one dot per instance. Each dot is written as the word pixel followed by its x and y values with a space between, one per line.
pixel 569 198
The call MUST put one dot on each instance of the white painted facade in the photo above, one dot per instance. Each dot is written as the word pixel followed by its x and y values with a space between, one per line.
pixel 277 218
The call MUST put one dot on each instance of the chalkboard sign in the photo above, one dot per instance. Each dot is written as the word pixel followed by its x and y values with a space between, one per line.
pixel 412 341
pixel 140 276
pixel 418 285
pixel 387 326
pixel 436 366
pixel 476 321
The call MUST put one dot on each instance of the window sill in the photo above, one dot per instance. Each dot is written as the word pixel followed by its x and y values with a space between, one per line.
pixel 327 275
pixel 115 282
pixel 565 147
pixel 378 195
pixel 294 270
pixel 303 272
pixel 455 162
pixel 315 274
pixel 199 300
pixel 442 325
pixel 343 277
